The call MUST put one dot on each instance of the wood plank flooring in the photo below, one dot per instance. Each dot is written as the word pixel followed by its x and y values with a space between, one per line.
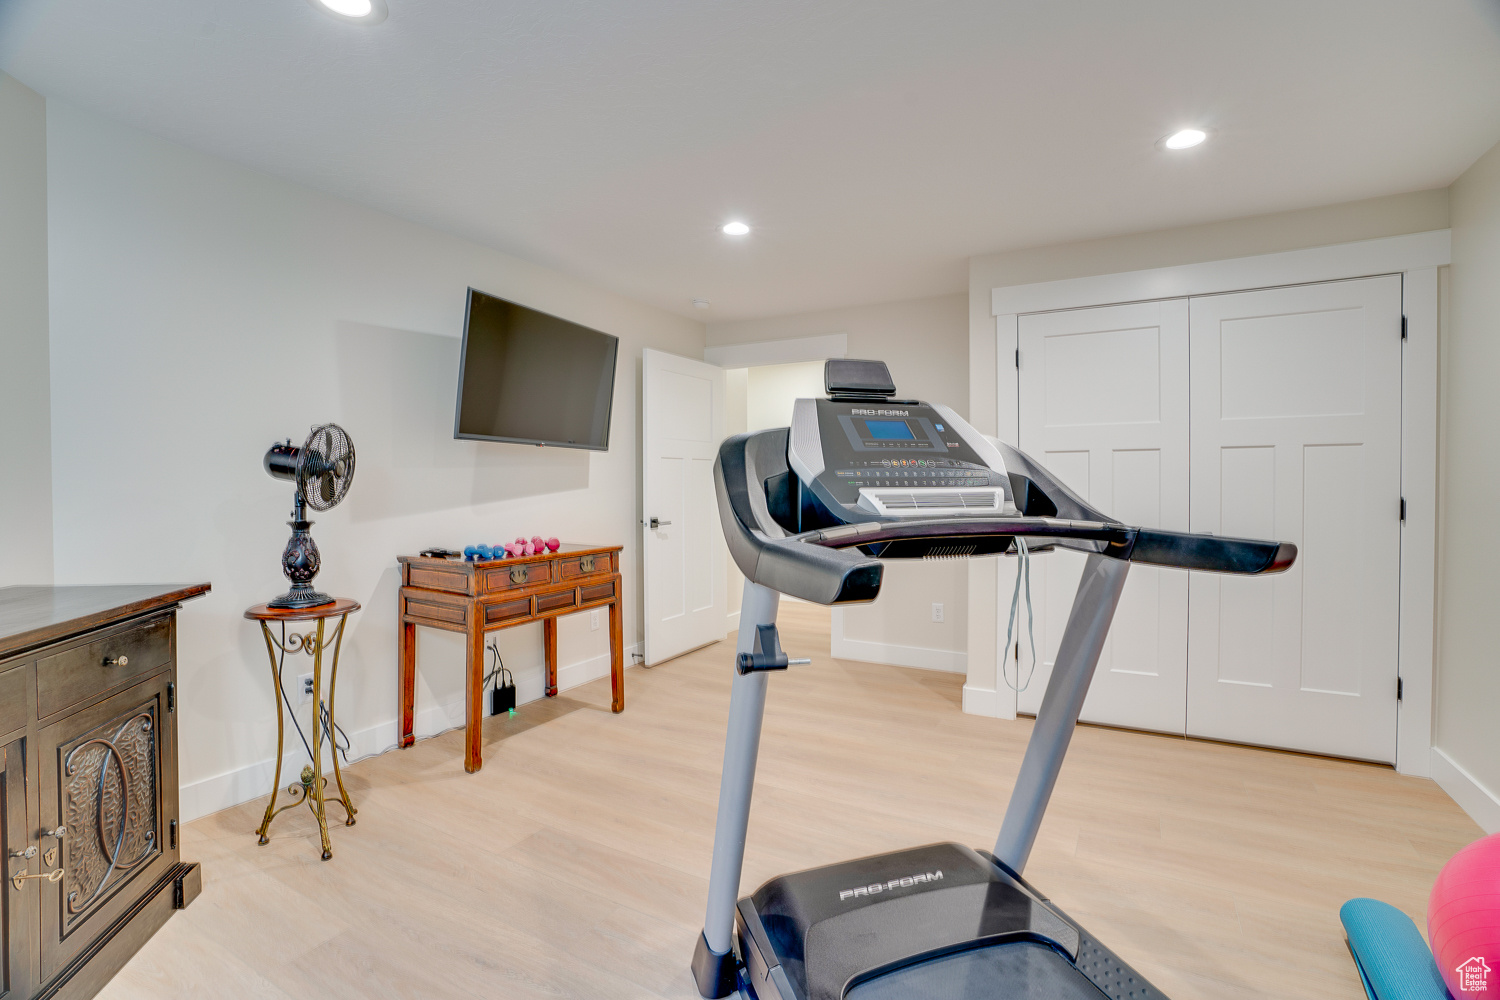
pixel 575 864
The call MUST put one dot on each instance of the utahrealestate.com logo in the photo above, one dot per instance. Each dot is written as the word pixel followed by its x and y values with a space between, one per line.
pixel 1473 976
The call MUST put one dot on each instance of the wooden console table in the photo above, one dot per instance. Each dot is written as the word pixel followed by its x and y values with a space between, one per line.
pixel 479 597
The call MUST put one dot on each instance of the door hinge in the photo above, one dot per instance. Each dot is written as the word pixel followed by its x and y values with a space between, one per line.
pixel 172 834
pixel 1398 689
pixel 171 697
pixel 1403 510
pixel 1403 327
pixel 1018 357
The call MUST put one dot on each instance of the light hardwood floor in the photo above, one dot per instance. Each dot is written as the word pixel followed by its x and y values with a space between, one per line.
pixel 575 864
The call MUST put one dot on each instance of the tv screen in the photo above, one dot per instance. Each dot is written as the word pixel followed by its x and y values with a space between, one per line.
pixel 531 378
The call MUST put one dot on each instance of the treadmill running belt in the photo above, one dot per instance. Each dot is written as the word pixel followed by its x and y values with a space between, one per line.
pixel 1022 970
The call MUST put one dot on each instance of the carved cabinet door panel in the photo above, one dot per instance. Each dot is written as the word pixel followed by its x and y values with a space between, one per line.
pixel 102 780
pixel 18 905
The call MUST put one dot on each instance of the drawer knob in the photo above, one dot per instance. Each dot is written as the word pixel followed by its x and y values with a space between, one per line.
pixel 117 661
pixel 28 854
pixel 59 833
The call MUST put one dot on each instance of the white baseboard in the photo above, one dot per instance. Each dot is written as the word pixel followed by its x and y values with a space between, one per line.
pixel 253 781
pixel 949 660
pixel 1482 805
pixel 989 703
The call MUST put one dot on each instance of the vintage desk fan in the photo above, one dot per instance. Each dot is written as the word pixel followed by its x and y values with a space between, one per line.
pixel 322 470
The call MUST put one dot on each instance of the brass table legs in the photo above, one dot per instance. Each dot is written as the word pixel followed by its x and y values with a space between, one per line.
pixel 310 787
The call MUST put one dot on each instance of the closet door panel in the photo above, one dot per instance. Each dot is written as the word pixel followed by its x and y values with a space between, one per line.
pixel 1104 406
pixel 1296 435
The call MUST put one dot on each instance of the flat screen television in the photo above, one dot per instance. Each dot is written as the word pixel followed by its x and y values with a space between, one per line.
pixel 530 378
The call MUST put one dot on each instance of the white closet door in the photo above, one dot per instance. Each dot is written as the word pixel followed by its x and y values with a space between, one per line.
pixel 1296 434
pixel 1104 406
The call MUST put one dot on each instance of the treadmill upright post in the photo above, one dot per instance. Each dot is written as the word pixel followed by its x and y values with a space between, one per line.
pixel 713 964
pixel 1077 656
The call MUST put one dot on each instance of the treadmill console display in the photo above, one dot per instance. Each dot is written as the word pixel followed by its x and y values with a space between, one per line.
pixel 890 453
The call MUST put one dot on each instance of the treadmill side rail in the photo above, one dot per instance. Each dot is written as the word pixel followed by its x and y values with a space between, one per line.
pixel 1077 656
pixel 747 706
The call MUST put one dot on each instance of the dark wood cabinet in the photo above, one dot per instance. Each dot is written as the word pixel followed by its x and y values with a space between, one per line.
pixel 19 922
pixel 88 805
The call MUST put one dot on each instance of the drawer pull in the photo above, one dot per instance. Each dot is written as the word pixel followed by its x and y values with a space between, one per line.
pixel 518 574
pixel 117 661
pixel 19 878
pixel 28 854
pixel 585 564
pixel 59 833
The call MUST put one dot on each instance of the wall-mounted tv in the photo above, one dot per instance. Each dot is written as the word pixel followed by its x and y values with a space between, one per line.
pixel 530 378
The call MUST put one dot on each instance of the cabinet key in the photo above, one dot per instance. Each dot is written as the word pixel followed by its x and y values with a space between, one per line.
pixel 19 878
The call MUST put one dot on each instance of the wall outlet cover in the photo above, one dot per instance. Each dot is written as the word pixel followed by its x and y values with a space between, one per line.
pixel 304 688
pixel 593 620
pixel 937 612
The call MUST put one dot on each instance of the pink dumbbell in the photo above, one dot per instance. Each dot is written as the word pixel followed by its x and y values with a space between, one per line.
pixel 553 545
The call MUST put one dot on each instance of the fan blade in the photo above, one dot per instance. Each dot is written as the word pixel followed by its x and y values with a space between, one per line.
pixel 326 485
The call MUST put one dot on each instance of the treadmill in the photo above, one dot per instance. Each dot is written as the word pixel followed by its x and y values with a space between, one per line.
pixel 813 511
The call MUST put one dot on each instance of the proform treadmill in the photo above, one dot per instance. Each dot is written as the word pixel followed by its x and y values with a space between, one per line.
pixel 812 511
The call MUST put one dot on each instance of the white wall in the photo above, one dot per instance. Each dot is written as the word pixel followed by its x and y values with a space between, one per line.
pixel 201 311
pixel 1467 703
pixel 25 414
pixel 771 391
pixel 925 343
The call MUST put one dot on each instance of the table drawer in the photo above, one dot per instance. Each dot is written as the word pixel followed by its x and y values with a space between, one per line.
pixel 516 576
pixel 574 567
pixel 597 592
pixel 552 602
pixel 72 675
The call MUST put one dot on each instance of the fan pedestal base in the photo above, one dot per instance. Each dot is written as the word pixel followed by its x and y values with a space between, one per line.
pixel 310 789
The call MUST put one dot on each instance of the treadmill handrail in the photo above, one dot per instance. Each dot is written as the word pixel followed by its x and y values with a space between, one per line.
pixel 1178 549
pixel 824 565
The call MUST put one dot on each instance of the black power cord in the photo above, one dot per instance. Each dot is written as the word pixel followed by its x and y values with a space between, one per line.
pixel 334 732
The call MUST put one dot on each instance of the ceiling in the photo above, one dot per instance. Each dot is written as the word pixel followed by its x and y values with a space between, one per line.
pixel 873 144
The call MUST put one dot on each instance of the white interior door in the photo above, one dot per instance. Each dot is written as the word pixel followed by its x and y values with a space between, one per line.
pixel 1104 406
pixel 1296 435
pixel 682 416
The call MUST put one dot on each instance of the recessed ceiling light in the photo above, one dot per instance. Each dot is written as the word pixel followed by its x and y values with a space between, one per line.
pixel 353 11
pixel 1185 139
pixel 735 229
pixel 700 303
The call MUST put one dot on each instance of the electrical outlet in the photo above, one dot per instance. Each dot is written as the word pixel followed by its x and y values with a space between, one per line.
pixel 937 612
pixel 593 620
pixel 304 688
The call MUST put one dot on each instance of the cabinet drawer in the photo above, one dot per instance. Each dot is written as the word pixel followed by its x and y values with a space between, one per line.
pixel 72 675
pixel 517 576
pixel 574 567
pixel 13 698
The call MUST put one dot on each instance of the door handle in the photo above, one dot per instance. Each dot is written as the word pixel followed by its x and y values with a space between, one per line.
pixel 657 523
pixel 19 878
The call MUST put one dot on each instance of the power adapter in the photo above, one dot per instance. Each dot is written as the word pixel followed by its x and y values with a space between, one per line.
pixel 503 694
pixel 503 698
